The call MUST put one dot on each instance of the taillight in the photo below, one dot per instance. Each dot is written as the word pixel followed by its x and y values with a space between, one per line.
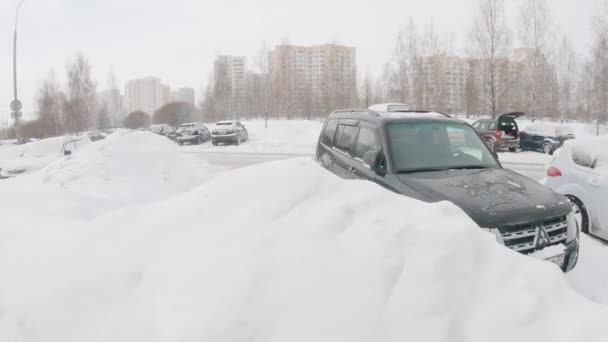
pixel 554 172
pixel 497 134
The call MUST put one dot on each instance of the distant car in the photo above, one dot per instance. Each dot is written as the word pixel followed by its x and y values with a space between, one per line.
pixel 579 171
pixel 162 129
pixel 229 132
pixel 39 154
pixel 500 133
pixel 96 136
pixel 545 137
pixel 192 133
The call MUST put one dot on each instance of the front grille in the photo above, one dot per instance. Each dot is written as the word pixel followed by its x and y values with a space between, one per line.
pixel 522 238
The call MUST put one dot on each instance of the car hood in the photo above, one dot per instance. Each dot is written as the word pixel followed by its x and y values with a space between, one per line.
pixel 491 197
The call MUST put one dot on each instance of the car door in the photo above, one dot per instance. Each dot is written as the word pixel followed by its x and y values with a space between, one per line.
pixel 325 152
pixel 367 140
pixel 346 136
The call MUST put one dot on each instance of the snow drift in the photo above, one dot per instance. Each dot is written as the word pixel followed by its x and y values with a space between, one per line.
pixel 127 168
pixel 282 252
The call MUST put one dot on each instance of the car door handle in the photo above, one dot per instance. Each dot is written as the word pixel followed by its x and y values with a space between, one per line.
pixel 351 170
pixel 594 182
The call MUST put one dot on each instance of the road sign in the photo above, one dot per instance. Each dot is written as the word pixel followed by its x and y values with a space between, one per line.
pixel 18 114
pixel 16 105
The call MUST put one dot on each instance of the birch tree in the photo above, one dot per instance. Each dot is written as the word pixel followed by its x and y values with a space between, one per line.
pixel 492 40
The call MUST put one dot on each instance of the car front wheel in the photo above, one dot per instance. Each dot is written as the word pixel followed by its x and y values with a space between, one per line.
pixel 580 213
pixel 547 148
pixel 513 149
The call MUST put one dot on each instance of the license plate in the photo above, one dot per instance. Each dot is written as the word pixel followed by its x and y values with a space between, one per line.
pixel 558 260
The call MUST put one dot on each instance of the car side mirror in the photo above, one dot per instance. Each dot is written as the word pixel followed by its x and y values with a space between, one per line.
pixel 372 158
pixel 67 152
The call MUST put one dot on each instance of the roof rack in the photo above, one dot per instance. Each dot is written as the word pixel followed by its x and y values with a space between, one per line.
pixel 362 111
pixel 421 112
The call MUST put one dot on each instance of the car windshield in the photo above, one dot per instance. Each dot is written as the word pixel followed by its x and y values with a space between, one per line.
pixel 224 124
pixel 435 146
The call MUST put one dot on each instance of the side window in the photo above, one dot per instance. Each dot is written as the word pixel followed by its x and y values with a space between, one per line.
pixel 329 133
pixel 492 126
pixel 366 142
pixel 346 141
pixel 477 125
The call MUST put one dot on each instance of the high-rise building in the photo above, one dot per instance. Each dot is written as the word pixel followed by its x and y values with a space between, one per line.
pixel 185 94
pixel 167 95
pixel 312 80
pixel 144 94
pixel 229 77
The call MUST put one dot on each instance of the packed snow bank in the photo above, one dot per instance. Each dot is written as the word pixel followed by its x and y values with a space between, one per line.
pixel 281 137
pixel 127 168
pixel 284 252
pixel 590 277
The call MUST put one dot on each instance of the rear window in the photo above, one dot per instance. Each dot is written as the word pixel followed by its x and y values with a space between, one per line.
pixel 346 140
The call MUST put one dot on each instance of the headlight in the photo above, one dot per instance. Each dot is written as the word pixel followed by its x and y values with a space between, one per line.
pixel 572 228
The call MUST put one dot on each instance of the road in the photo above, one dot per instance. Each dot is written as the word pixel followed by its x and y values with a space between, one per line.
pixel 235 160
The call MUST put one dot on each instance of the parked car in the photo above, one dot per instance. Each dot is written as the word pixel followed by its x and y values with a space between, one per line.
pixel 192 133
pixel 229 132
pixel 579 171
pixel 96 136
pixel 162 129
pixel 500 133
pixel 39 154
pixel 433 157
pixel 544 137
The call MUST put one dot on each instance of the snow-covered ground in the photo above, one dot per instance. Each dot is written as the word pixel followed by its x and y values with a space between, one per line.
pixel 281 137
pixel 170 250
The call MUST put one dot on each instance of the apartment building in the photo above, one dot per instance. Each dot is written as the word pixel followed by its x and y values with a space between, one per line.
pixel 229 76
pixel 144 94
pixel 316 80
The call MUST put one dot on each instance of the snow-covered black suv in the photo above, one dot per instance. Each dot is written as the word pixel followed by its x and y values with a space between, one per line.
pixel 433 157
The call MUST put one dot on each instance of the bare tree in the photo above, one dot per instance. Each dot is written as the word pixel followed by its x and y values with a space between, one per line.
pixel 492 40
pixel 535 31
pixel 598 70
pixel 367 90
pixel 567 71
pixel 49 103
pixel 80 106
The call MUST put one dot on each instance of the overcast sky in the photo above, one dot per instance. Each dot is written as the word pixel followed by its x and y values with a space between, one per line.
pixel 178 39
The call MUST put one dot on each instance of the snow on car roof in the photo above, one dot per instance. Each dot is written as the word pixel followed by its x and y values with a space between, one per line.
pixel 548 129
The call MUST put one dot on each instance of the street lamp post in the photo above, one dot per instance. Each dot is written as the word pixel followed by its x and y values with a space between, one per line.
pixel 16 104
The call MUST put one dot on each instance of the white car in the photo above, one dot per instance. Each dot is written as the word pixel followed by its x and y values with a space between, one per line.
pixel 41 153
pixel 579 171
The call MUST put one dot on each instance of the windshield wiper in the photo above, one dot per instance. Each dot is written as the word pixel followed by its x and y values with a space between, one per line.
pixel 473 167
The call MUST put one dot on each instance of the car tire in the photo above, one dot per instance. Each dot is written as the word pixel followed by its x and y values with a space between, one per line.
pixel 547 148
pixel 238 140
pixel 580 210
pixel 513 149
pixel 199 140
pixel 214 143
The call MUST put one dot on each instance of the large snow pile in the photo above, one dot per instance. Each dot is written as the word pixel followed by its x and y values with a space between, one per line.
pixel 124 169
pixel 281 137
pixel 283 252
pixel 590 277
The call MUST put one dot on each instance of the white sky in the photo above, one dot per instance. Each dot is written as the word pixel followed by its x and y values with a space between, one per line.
pixel 178 39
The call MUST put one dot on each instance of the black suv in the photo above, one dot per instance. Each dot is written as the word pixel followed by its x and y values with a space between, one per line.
pixel 433 157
